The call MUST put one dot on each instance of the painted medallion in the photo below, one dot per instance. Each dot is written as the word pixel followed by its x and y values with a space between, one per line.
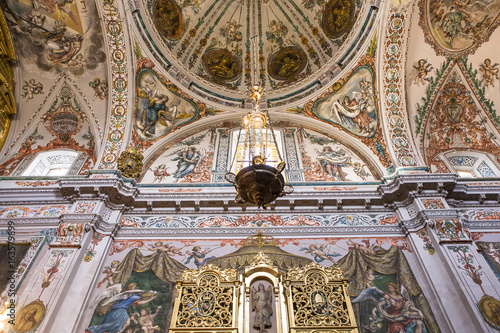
pixel 221 64
pixel 287 63
pixel 455 26
pixel 338 17
pixel 168 19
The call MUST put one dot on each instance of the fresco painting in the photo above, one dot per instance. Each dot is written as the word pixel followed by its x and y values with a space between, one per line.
pixel 60 35
pixel 136 286
pixel 491 252
pixel 456 26
pixel 189 161
pixel 159 109
pixel 353 106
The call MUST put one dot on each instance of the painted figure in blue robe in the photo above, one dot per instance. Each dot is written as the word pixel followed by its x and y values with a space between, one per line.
pixel 117 318
pixel 150 115
pixel 199 256
pixel 187 159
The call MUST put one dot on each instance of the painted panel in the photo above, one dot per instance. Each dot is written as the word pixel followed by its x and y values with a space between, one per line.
pixel 137 283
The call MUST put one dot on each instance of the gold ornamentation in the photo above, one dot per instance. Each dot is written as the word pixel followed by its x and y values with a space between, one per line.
pixel 169 19
pixel 221 64
pixel 29 317
pixel 261 259
pixel 490 309
pixel 338 17
pixel 130 162
pixel 7 85
pixel 287 63
pixel 205 298
pixel 319 297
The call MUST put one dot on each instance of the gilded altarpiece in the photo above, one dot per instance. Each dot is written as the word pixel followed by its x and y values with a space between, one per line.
pixel 206 301
pixel 318 300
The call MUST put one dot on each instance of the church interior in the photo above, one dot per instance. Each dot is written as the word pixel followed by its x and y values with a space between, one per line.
pixel 249 166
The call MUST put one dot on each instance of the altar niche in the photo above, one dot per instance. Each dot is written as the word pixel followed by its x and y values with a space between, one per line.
pixel 264 301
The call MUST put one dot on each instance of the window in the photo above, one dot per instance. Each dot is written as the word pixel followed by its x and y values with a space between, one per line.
pixel 469 164
pixel 51 163
pixel 242 152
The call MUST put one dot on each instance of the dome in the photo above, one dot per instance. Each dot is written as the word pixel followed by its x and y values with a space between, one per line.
pixel 299 43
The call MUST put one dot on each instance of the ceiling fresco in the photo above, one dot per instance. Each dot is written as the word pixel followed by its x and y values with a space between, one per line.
pixel 56 35
pixel 454 26
pixel 296 40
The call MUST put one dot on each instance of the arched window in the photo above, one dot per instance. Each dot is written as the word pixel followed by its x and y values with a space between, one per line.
pixel 51 163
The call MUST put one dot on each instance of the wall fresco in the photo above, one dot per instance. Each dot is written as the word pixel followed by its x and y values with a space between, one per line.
pixel 64 125
pixel 142 275
pixel 491 252
pixel 453 27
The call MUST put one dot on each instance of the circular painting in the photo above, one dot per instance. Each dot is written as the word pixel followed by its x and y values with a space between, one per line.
pixel 168 19
pixel 221 64
pixel 287 63
pixel 338 17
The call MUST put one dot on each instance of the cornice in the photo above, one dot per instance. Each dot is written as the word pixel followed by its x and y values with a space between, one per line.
pixel 283 231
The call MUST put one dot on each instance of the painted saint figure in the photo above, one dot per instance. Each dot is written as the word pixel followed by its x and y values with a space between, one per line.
pixel 398 310
pixel 263 307
pixel 117 318
pixel 187 159
pixel 332 162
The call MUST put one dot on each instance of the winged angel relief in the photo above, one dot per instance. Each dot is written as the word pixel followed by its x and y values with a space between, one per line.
pixel 353 107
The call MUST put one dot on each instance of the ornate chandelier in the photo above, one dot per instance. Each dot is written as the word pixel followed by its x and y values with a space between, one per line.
pixel 259 165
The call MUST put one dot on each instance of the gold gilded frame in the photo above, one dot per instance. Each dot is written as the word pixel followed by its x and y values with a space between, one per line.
pixel 318 300
pixel 206 301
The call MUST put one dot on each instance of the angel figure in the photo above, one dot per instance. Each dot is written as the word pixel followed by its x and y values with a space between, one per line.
pixel 360 171
pixel 168 249
pixel 160 172
pixel 490 72
pixel 146 320
pixel 395 307
pixel 31 88
pixel 115 302
pixel 110 272
pixel 100 88
pixel 262 306
pixel 319 253
pixel 423 67
pixel 187 159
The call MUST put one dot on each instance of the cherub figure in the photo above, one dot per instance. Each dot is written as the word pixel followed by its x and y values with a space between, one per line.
pixel 366 249
pixel 160 172
pixel 422 68
pixel 490 72
pixel 360 171
pixel 146 320
pixel 31 88
pixel 199 256
pixel 167 248
pixel 110 272
pixel 319 253
pixel 100 88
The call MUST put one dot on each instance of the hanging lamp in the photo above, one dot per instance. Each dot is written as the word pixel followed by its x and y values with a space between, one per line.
pixel 259 179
